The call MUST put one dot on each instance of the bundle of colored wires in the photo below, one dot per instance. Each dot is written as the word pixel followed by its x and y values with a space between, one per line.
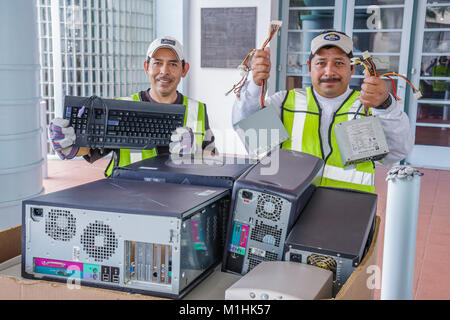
pixel 369 65
pixel 245 68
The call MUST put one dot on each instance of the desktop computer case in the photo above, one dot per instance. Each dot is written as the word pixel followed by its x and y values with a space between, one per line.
pixel 134 236
pixel 212 171
pixel 333 232
pixel 265 206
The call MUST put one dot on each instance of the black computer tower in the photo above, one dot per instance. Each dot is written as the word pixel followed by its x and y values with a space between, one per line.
pixel 143 237
pixel 215 171
pixel 333 231
pixel 266 201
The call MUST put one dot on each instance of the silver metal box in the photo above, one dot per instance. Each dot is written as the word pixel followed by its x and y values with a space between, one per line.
pixel 361 140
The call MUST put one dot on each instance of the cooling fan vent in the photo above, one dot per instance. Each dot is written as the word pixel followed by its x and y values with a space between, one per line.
pixel 266 234
pixel 254 260
pixel 323 262
pixel 60 225
pixel 269 207
pixel 99 241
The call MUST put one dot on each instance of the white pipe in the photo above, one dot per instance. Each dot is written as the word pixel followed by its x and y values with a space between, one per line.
pixel 402 206
pixel 20 128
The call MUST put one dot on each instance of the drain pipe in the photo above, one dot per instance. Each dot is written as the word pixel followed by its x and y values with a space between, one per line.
pixel 20 128
pixel 402 206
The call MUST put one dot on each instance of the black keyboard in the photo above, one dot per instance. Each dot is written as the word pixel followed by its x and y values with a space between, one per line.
pixel 122 124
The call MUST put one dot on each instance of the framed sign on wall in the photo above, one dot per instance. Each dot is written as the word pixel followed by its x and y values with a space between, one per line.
pixel 227 36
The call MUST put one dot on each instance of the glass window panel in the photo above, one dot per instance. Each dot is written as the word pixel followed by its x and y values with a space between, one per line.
pixel 433 113
pixel 436 41
pixel 296 64
pixel 77 46
pixel 378 2
pixel 44 45
pixel 437 17
pixel 433 136
pixel 377 41
pixel 378 18
pixel 435 89
pixel 301 19
pixel 435 66
pixel 300 41
pixel 303 3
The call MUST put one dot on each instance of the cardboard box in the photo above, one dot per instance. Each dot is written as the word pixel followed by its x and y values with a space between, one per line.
pixel 13 286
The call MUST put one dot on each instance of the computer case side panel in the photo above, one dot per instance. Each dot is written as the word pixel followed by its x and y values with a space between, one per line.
pixel 259 222
pixel 156 255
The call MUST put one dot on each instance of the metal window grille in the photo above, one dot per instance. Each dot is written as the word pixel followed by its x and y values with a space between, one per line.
pixel 100 51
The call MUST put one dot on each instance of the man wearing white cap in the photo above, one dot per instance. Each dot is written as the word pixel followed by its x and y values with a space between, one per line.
pixel 310 114
pixel 165 65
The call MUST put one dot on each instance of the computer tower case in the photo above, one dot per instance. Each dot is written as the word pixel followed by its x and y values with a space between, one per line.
pixel 266 201
pixel 215 171
pixel 334 231
pixel 159 239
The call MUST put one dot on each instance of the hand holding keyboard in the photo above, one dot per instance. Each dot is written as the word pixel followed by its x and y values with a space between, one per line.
pixel 122 124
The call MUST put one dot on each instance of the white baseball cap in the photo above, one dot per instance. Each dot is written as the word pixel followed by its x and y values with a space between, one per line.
pixel 166 42
pixel 332 38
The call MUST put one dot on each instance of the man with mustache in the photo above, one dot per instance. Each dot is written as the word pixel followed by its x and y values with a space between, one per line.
pixel 165 65
pixel 310 114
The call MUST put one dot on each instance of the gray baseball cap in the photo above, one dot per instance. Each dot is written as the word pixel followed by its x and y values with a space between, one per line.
pixel 166 42
pixel 332 38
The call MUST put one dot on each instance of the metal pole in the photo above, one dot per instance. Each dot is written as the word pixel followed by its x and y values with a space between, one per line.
pixel 402 207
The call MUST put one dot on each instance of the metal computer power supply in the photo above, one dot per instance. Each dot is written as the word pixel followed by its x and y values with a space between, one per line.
pixel 135 236
pixel 361 140
pixel 333 232
pixel 265 206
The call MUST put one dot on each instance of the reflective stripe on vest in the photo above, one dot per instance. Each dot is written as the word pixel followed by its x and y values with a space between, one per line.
pixel 195 118
pixel 195 114
pixel 350 176
pixel 301 116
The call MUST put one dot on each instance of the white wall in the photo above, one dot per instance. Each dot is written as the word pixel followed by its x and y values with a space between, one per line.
pixel 181 19
pixel 210 84
pixel 171 19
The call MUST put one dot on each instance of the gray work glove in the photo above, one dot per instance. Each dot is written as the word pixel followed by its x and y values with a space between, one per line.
pixel 63 138
pixel 183 142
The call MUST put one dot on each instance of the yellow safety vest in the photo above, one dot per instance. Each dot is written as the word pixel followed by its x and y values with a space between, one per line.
pixel 194 118
pixel 301 117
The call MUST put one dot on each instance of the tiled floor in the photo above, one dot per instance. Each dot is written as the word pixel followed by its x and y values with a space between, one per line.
pixel 432 267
